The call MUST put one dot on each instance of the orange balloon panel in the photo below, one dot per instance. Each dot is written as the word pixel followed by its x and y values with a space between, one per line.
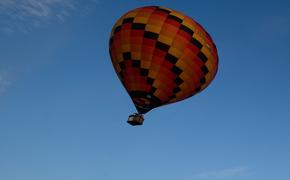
pixel 161 56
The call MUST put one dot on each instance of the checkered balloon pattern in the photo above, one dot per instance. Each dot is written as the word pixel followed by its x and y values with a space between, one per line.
pixel 161 56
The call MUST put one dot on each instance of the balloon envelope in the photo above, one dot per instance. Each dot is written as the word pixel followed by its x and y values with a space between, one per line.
pixel 161 56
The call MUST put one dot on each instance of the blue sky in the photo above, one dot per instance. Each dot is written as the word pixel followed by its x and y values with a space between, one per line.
pixel 63 111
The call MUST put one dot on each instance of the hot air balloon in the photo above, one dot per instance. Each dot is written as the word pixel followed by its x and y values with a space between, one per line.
pixel 161 56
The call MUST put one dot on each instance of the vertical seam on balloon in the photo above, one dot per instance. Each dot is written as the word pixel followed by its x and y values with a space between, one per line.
pixel 150 62
pixel 162 26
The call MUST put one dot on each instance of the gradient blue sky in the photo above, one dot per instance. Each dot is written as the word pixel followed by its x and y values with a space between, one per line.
pixel 63 111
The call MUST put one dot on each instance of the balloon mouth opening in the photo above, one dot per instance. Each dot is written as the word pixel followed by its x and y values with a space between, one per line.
pixel 144 101
pixel 136 119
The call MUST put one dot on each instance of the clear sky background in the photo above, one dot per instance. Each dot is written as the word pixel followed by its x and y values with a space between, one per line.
pixel 63 110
